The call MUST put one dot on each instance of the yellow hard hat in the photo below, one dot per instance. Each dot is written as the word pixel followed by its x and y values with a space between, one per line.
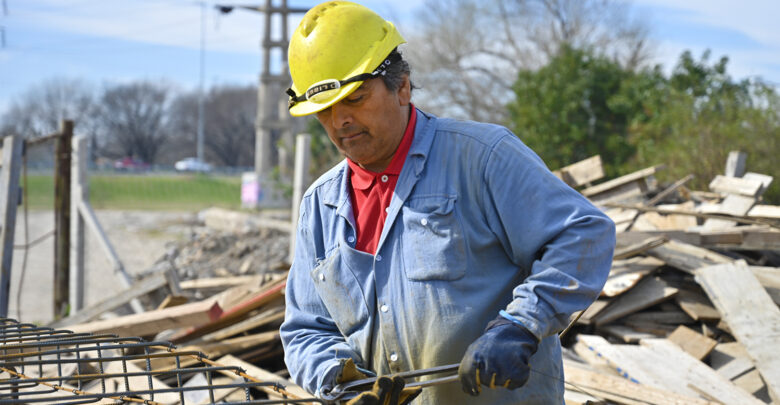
pixel 335 48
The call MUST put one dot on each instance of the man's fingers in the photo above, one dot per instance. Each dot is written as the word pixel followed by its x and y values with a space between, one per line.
pixel 383 387
pixel 409 394
pixel 365 398
pixel 395 392
pixel 469 376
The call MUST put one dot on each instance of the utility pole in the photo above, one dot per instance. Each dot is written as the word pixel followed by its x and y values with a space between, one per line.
pixel 201 110
pixel 272 116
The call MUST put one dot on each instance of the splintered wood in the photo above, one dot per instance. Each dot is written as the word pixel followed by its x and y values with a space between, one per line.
pixel 687 320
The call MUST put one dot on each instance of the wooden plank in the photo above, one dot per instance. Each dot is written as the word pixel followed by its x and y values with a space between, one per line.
pixel 264 318
pixel 750 382
pixel 173 301
pixel 735 368
pixel 648 292
pixel 751 314
pixel 628 361
pixel 697 306
pixel 582 172
pixel 623 218
pixel 736 185
pixel 765 211
pixel 687 257
pixel 735 164
pixel 594 308
pixel 650 221
pixel 638 248
pixel 264 376
pixel 573 397
pixel 760 239
pixel 621 390
pixel 142 287
pixel 623 193
pixel 141 382
pixel 237 313
pixel 765 180
pixel 622 180
pixel 220 282
pixel 696 344
pixel 684 372
pixel 676 317
pixel 626 333
pixel 625 274
pixel 769 277
pixel 669 190
pixel 741 220
pixel 735 205
pixel 153 322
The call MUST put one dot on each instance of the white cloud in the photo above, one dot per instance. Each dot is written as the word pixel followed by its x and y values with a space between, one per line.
pixel 753 19
pixel 155 22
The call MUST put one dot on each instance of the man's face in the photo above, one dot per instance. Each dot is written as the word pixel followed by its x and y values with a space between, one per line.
pixel 368 125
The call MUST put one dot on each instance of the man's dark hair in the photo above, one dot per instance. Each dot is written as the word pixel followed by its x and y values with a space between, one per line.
pixel 394 74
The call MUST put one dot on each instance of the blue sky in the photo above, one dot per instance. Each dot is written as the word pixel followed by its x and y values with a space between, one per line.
pixel 109 41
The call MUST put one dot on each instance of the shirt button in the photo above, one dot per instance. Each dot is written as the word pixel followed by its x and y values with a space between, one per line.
pixel 384 308
pixel 393 357
pixel 322 277
pixel 379 258
pixel 351 239
pixel 384 178
pixel 424 222
pixel 387 209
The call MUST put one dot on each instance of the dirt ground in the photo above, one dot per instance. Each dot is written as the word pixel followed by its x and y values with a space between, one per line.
pixel 138 237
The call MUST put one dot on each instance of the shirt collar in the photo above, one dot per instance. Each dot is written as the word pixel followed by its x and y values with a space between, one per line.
pixel 362 179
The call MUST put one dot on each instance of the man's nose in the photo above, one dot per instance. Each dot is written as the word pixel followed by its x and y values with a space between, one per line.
pixel 341 115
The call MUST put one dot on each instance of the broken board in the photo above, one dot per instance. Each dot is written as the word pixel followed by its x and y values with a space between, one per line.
pixel 752 316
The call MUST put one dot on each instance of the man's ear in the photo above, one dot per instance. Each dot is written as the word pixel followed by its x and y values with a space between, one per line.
pixel 405 91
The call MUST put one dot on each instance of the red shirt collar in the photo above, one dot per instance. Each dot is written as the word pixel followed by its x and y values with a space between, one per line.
pixel 362 178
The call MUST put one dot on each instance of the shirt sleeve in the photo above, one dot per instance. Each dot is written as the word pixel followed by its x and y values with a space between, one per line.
pixel 312 343
pixel 562 243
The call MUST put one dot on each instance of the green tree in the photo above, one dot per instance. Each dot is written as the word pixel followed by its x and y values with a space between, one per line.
pixel 700 115
pixel 577 106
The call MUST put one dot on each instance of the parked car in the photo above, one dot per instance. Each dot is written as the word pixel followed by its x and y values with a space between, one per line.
pixel 129 164
pixel 192 164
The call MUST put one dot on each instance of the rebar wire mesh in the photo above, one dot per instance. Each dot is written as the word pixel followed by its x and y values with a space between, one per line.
pixel 45 365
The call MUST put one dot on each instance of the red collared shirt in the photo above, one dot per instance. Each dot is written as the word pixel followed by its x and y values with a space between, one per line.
pixel 371 192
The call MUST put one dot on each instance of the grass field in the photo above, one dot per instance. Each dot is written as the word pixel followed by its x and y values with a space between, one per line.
pixel 145 192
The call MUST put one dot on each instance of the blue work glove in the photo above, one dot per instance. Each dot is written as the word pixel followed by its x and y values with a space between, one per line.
pixel 499 358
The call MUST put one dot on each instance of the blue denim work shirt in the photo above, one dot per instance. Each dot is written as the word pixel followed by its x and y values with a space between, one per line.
pixel 477 224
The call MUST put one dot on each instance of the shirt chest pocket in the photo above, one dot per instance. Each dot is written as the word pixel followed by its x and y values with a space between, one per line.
pixel 434 247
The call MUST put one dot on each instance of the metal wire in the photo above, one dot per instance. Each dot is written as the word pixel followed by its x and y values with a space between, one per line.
pixel 45 365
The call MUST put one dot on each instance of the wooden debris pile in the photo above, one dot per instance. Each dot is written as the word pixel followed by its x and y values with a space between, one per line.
pixel 689 313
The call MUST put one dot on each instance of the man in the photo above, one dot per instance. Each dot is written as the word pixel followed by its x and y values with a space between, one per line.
pixel 435 242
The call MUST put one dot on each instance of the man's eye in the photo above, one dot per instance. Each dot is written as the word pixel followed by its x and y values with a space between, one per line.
pixel 355 99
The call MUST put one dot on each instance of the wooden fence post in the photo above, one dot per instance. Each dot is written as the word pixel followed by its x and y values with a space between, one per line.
pixel 300 183
pixel 62 201
pixel 79 191
pixel 9 199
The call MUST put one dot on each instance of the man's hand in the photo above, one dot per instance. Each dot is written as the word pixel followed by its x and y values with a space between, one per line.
pixel 499 358
pixel 387 391
pixel 349 372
